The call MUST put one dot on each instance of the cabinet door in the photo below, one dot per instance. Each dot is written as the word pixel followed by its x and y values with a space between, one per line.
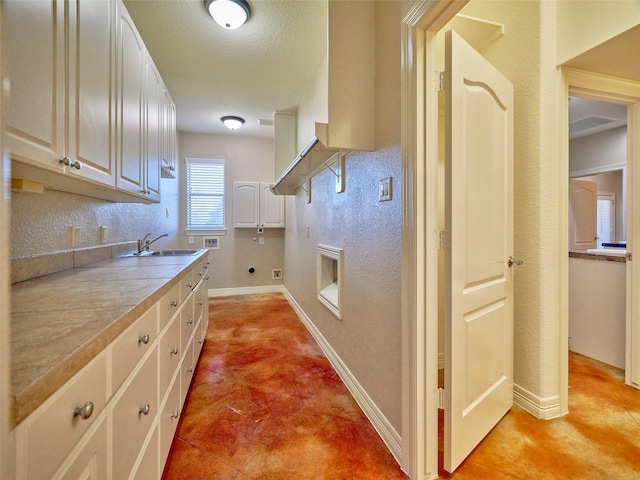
pixel 34 40
pixel 133 414
pixel 89 459
pixel 271 208
pixel 148 467
pixel 91 135
pixel 130 101
pixel 155 94
pixel 246 204
pixel 169 418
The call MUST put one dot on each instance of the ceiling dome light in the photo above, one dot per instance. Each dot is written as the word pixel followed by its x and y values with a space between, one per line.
pixel 231 122
pixel 229 13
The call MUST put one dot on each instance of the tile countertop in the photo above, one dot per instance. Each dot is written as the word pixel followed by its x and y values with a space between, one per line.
pixel 61 321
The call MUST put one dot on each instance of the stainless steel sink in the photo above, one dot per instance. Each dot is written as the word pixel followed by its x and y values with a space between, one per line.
pixel 172 252
pixel 161 253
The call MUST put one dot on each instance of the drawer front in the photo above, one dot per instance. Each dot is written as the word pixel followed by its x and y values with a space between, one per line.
pixel 129 348
pixel 89 459
pixel 169 418
pixel 130 424
pixel 186 284
pixel 198 340
pixel 169 304
pixel 187 323
pixel 198 302
pixel 51 432
pixel 187 371
pixel 170 352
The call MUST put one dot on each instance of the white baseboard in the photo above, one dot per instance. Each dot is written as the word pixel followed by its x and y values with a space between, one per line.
pixel 225 292
pixel 386 431
pixel 543 408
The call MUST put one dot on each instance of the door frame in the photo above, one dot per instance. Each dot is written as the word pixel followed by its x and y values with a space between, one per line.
pixel 419 127
pixel 614 90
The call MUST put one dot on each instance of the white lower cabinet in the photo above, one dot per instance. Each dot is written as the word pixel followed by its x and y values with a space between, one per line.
pixel 132 415
pixel 51 432
pixel 148 467
pixel 116 418
pixel 88 461
pixel 169 418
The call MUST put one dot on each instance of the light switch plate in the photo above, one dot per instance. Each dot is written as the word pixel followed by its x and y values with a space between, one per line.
pixel 385 187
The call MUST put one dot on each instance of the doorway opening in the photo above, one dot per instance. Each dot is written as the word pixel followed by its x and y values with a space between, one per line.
pixel 597 229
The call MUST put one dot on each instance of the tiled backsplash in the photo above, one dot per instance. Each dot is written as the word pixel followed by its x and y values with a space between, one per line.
pixel 26 268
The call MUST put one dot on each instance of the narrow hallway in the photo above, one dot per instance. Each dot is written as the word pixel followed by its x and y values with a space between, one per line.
pixel 266 404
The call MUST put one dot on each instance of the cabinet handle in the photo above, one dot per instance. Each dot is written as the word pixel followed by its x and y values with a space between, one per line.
pixel 200 341
pixel 144 339
pixel 200 303
pixel 145 409
pixel 189 285
pixel 84 411
pixel 65 160
pixel 174 414
pixel 199 274
pixel 190 369
pixel 190 321
pixel 77 165
pixel 174 351
pixel 174 303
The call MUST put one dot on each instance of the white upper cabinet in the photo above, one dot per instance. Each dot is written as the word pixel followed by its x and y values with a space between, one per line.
pixel 40 58
pixel 254 206
pixel 131 57
pixel 85 101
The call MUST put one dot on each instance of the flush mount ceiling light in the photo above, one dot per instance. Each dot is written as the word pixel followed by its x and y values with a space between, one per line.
pixel 229 13
pixel 231 122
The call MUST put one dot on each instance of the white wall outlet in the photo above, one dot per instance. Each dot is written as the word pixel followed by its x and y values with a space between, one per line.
pixel 261 241
pixel 166 213
pixel 191 240
pixel 103 234
pixel 74 236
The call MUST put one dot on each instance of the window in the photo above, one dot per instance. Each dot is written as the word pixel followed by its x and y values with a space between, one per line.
pixel 606 217
pixel 205 194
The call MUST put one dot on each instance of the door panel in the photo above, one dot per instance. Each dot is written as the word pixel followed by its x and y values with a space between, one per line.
pixel 583 217
pixel 479 219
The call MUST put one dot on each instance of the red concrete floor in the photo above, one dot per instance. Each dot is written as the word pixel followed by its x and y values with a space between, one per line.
pixel 266 404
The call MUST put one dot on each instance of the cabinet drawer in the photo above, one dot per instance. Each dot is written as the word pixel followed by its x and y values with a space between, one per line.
pixel 51 432
pixel 129 348
pixel 130 425
pixel 170 352
pixel 169 304
pixel 187 284
pixel 169 418
pixel 198 340
pixel 89 459
pixel 187 323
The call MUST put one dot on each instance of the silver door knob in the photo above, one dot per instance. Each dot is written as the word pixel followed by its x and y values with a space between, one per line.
pixel 145 409
pixel 174 351
pixel 144 338
pixel 512 261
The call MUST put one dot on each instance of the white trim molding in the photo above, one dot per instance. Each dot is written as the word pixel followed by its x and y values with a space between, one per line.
pixel 389 435
pixel 543 408
pixel 226 292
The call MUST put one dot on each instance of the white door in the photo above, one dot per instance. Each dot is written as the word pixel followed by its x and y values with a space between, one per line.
pixel 583 218
pixel 479 219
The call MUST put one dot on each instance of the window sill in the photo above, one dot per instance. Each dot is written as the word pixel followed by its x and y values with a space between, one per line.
pixel 204 232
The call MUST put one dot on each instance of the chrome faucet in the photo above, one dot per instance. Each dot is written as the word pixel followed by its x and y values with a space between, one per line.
pixel 143 245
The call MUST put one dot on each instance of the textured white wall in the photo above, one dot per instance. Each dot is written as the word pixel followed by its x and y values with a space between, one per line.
pixel 368 339
pixel 246 159
pixel 583 25
pixel 40 222
pixel 526 55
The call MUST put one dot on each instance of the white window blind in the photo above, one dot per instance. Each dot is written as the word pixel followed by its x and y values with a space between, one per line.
pixel 606 218
pixel 205 194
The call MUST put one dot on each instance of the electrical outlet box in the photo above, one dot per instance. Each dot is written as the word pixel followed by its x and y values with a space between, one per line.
pixel 212 243
pixel 276 273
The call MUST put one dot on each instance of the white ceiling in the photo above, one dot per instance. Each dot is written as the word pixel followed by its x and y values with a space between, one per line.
pixel 260 68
